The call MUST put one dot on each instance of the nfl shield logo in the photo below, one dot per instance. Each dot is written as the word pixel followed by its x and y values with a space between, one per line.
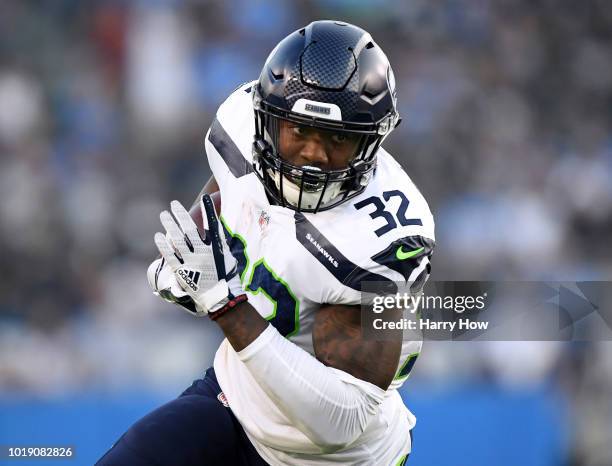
pixel 264 219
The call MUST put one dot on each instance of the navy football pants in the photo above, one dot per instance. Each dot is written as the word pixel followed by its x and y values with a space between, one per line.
pixel 194 429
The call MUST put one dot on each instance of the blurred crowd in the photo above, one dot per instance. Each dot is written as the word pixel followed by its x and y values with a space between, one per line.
pixel 507 130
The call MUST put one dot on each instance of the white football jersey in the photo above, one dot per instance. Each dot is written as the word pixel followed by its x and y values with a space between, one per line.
pixel 290 263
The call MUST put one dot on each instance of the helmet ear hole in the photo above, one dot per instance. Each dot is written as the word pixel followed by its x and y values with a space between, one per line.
pixel 277 76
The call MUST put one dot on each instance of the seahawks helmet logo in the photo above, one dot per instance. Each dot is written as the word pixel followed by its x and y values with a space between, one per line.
pixel 317 109
pixel 190 277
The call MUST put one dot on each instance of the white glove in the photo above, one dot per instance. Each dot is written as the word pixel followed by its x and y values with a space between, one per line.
pixel 163 283
pixel 199 264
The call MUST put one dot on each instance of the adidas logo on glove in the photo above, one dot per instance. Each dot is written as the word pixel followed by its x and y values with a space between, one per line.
pixel 191 278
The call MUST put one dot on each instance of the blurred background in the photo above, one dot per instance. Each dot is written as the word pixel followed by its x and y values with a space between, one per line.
pixel 507 130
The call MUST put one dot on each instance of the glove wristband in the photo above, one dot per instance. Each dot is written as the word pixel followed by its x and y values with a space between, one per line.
pixel 231 304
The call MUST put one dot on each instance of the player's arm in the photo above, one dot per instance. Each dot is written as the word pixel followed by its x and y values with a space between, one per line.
pixel 331 398
pixel 337 338
pixel 329 405
pixel 338 342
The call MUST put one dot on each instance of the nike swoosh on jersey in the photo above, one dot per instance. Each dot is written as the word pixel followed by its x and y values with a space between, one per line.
pixel 401 255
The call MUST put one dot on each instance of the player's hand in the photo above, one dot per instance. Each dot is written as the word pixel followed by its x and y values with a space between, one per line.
pixel 203 267
pixel 164 284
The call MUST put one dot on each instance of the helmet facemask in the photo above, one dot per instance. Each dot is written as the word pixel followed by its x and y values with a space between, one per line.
pixel 309 188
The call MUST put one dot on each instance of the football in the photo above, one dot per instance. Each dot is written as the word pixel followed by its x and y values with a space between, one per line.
pixel 196 212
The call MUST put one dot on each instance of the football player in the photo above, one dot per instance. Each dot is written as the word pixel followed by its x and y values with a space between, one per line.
pixel 311 208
